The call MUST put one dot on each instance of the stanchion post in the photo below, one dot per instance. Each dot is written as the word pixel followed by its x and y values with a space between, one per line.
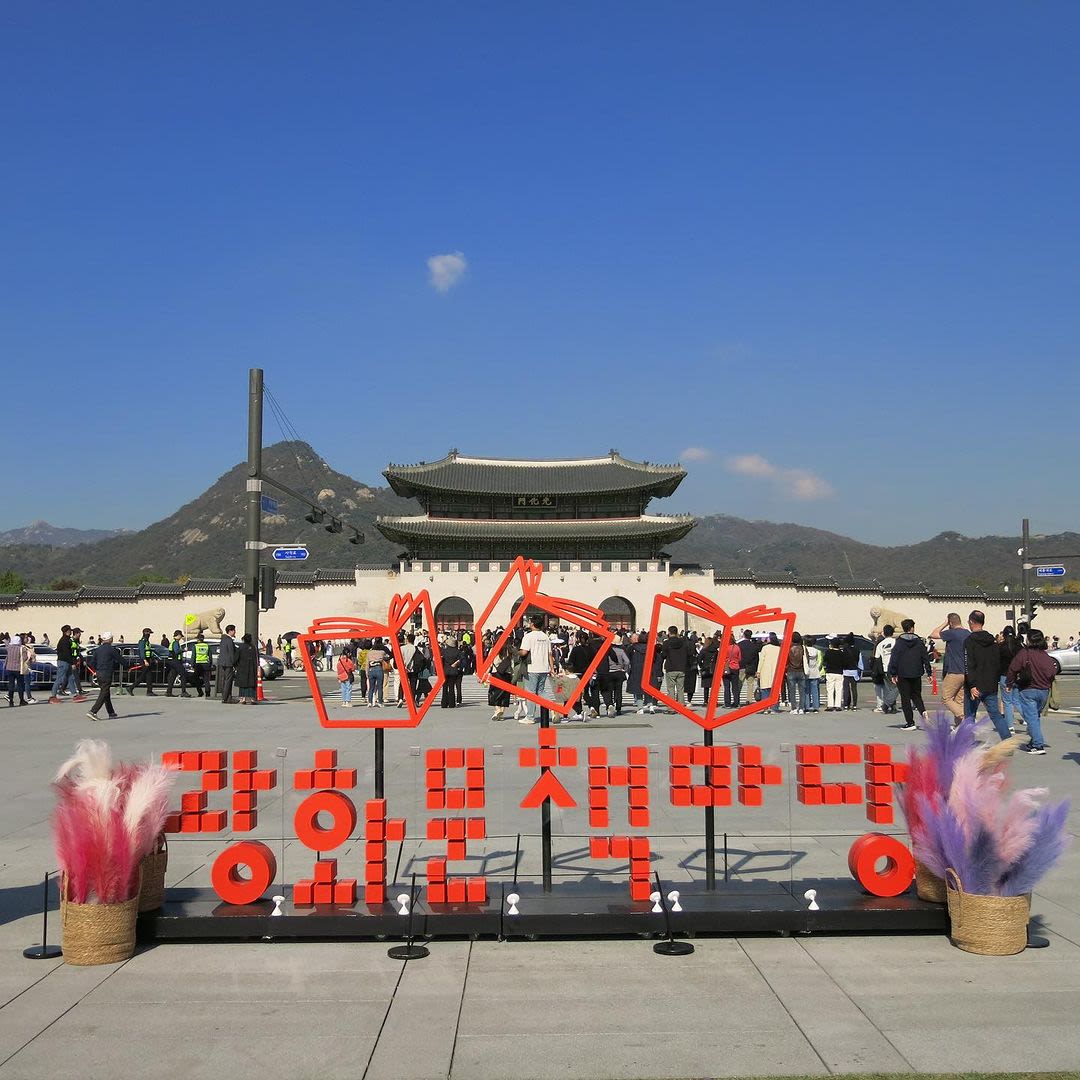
pixel 409 951
pixel 380 763
pixel 44 951
pixel 545 818
pixel 671 947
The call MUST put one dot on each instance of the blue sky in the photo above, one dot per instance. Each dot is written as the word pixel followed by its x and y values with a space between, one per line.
pixel 826 254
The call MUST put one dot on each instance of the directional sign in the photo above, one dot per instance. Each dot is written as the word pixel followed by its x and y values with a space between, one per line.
pixel 1049 571
pixel 269 504
pixel 294 553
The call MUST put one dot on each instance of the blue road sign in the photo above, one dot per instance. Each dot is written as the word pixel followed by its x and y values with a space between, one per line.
pixel 1049 571
pixel 269 504
pixel 296 552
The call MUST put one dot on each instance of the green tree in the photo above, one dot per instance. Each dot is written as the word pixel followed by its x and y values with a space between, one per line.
pixel 10 582
pixel 142 579
pixel 64 584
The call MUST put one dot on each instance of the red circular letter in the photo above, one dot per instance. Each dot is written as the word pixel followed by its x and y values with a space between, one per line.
pixel 311 833
pixel 230 886
pixel 899 869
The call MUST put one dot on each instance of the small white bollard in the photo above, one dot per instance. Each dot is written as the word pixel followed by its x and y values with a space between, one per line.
pixel 278 901
pixel 403 900
pixel 655 898
pixel 673 899
pixel 811 895
pixel 512 899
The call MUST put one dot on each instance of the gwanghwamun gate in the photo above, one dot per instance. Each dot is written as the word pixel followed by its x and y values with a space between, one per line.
pixel 588 521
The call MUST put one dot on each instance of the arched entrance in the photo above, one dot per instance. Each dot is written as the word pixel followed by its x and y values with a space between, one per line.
pixel 453 613
pixel 549 620
pixel 619 613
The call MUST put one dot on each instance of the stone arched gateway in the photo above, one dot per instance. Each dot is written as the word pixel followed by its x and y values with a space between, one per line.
pixel 454 613
pixel 619 613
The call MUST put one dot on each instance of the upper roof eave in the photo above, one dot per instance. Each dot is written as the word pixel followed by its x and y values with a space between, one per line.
pixel 500 476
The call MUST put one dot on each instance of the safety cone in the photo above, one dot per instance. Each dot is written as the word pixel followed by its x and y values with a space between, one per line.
pixel 933 686
pixel 259 695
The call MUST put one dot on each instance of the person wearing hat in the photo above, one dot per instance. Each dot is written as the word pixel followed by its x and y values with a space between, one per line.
pixel 146 659
pixel 107 664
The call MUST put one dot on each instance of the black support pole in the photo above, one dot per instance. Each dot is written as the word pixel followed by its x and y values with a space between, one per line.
pixel 380 763
pixel 545 818
pixel 44 951
pixel 710 828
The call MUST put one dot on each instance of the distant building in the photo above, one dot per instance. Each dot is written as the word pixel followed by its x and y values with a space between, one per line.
pixel 496 509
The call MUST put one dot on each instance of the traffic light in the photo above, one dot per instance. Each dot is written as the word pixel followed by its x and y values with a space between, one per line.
pixel 267 586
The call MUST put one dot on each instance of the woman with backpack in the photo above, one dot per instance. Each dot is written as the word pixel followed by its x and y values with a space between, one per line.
pixel 498 698
pixel 1032 672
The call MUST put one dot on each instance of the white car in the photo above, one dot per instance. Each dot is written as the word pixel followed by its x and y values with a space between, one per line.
pixel 1069 659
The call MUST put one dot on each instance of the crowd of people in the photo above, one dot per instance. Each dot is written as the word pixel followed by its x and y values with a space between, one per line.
pixel 1010 674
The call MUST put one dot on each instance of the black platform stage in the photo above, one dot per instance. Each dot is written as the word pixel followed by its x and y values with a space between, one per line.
pixel 575 909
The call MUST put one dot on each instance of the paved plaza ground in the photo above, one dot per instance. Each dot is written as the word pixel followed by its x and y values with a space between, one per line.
pixel 610 1008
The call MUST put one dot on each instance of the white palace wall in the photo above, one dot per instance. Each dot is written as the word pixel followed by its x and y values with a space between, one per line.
pixel 817 610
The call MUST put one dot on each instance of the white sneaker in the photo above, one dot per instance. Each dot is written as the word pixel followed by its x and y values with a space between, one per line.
pixel 878 709
pixel 526 720
pixel 592 714
pixel 574 716
pixel 642 711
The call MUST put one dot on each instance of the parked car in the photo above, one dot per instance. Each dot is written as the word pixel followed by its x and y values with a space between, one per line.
pixel 866 648
pixel 44 667
pixel 272 667
pixel 1069 659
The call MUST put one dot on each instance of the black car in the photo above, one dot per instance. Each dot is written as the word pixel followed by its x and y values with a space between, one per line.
pixel 131 662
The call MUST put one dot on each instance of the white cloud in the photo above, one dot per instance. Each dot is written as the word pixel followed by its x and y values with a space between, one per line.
pixel 695 453
pixel 446 270
pixel 797 483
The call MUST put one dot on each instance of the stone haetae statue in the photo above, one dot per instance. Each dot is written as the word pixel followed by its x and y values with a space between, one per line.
pixel 880 617
pixel 209 622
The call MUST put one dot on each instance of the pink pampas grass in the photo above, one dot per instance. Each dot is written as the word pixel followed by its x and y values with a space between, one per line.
pixel 106 820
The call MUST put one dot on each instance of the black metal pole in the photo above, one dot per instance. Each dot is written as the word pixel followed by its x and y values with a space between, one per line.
pixel 380 763
pixel 1026 576
pixel 253 547
pixel 545 817
pixel 725 858
pixel 671 947
pixel 710 828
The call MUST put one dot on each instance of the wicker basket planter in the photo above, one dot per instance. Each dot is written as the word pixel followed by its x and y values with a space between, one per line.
pixel 929 886
pixel 152 888
pixel 987 925
pixel 97 933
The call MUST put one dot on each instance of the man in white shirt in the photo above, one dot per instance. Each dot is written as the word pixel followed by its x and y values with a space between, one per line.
pixel 888 690
pixel 536 645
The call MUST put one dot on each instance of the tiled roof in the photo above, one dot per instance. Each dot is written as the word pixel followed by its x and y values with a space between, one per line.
pixel 404 529
pixel 774 579
pixel 296 577
pixel 335 575
pixel 862 585
pixel 905 589
pixel 732 575
pixel 160 588
pixel 43 596
pixel 956 594
pixel 212 585
pixel 493 476
pixel 111 592
pixel 815 583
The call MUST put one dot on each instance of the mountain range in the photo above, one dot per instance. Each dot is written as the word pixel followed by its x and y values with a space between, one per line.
pixel 205 539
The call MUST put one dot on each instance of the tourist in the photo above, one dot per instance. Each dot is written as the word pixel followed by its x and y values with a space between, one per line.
pixel 63 666
pixel 675 650
pixel 882 656
pixel 1033 671
pixel 910 660
pixel 536 646
pixel 707 660
pixel 226 665
pixel 982 667
pixel 498 698
pixel 768 676
pixel 452 663
pixel 795 675
pixel 107 661
pixel 28 675
pixel 247 671
pixel 852 672
pixel 75 679
pixel 611 682
pixel 814 668
pixel 732 674
pixel 693 649
pixel 346 675
pixel 1008 647
pixel 15 667
pixel 638 647
pixel 834 676
pixel 407 675
pixel 377 656
pixel 952 666
pixel 748 667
